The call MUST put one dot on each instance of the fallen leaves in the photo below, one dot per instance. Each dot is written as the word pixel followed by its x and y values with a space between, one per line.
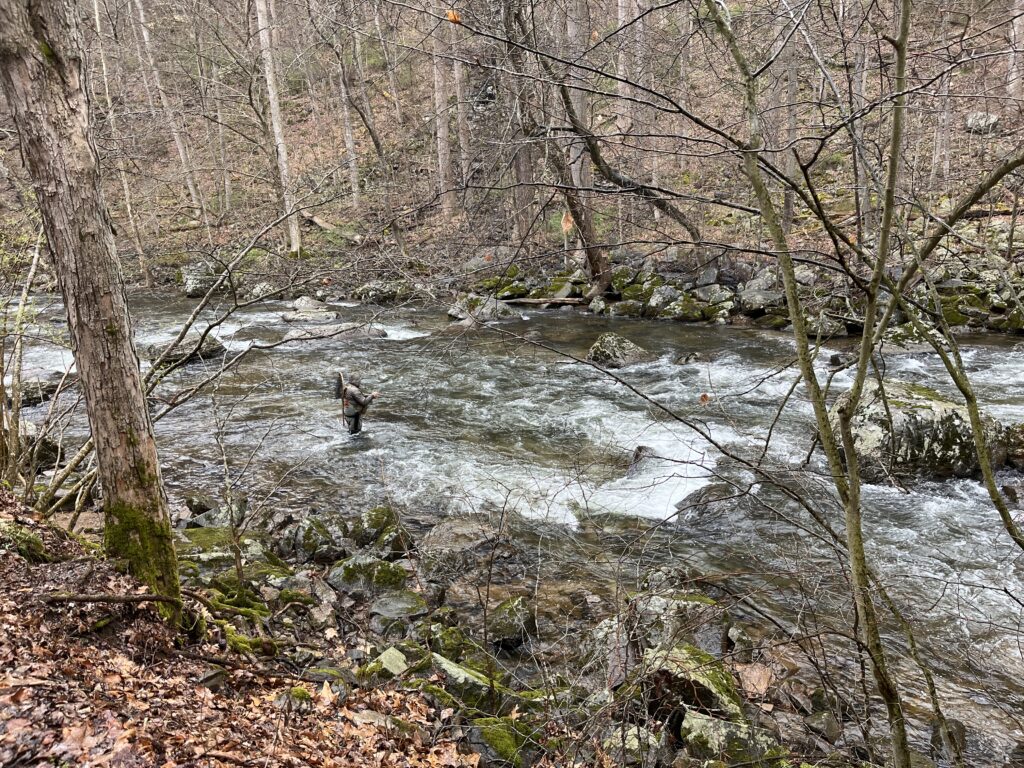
pixel 126 697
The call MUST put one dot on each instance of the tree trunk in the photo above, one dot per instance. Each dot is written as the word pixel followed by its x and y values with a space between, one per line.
pixel 277 125
pixel 1017 57
pixel 350 140
pixel 41 57
pixel 444 153
pixel 390 63
pixel 462 107
pixel 133 226
pixel 169 115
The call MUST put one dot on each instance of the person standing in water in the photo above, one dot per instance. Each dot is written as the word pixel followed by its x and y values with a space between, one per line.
pixel 354 402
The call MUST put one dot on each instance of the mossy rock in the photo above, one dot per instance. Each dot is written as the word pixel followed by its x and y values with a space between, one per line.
pixel 628 308
pixel 18 538
pixel 685 309
pixel 511 623
pixel 614 351
pixel 771 322
pixel 365 573
pixel 389 664
pixel 372 523
pixel 503 742
pixel 694 677
pixel 516 290
pixel 400 604
pixel 905 429
pixel 475 690
pixel 736 742
pixel 622 277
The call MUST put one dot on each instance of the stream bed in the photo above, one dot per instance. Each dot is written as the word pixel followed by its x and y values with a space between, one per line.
pixel 487 419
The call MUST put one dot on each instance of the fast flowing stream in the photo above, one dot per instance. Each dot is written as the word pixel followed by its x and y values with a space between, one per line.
pixel 487 420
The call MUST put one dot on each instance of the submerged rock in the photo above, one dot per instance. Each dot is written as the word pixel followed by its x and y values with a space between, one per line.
pixel 906 429
pixel 337 331
pixel 614 351
pixel 189 349
pixel 455 547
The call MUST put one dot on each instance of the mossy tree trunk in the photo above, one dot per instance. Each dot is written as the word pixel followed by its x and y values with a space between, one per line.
pixel 43 77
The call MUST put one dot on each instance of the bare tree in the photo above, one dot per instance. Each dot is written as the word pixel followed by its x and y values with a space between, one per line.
pixel 41 67
pixel 268 58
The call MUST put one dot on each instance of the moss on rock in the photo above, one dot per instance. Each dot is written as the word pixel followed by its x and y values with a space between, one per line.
pixel 20 539
pixel 503 741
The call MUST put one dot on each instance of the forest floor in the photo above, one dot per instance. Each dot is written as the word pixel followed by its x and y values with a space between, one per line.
pixel 106 682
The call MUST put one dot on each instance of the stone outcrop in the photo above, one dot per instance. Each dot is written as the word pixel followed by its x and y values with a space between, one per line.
pixel 904 429
pixel 614 351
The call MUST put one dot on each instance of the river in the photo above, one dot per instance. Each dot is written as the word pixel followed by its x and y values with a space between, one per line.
pixel 488 420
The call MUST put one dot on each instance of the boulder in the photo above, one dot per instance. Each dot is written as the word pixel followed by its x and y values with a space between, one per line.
pixel 622 277
pixel 188 350
pixel 906 429
pixel 315 538
pixel 480 308
pixel 365 574
pixel 738 743
pixel 310 316
pixel 614 351
pixel 263 290
pixel 456 546
pixel 399 604
pixel 39 386
pixel 473 689
pixel 661 297
pixel 755 302
pixel 598 305
pixel 628 308
pixel 383 292
pixel 982 123
pixel 308 303
pixel 685 309
pixel 502 742
pixel 1015 446
pixel 686 677
pixel 337 331
pixel 713 294
pixel 197 279
pixel 666 619
pixel 511 623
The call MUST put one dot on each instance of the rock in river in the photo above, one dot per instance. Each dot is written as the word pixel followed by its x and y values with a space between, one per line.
pixel 337 331
pixel 614 351
pixel 915 431
pixel 189 349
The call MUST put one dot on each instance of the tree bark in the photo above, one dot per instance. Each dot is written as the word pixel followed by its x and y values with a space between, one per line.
pixel 41 69
pixel 129 211
pixel 277 125
pixel 442 130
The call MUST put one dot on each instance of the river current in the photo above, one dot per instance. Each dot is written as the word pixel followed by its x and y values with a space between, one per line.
pixel 489 419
